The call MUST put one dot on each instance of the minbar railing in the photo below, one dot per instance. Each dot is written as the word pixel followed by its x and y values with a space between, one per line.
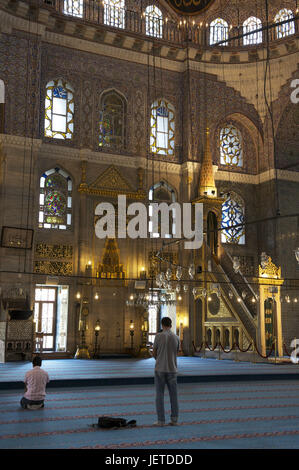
pixel 164 29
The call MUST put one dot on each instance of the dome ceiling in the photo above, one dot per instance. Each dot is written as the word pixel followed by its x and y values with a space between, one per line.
pixel 189 7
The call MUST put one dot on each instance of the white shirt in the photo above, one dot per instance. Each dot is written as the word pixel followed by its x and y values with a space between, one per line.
pixel 167 345
pixel 36 381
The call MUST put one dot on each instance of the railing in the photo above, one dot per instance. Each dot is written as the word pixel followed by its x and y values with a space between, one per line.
pixel 139 23
pixel 231 282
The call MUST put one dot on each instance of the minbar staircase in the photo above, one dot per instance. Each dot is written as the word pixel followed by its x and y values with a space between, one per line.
pixel 245 310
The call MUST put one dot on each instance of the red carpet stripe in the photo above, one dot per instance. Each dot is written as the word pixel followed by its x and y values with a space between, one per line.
pixel 151 402
pixel 102 395
pixel 144 413
pixel 192 423
pixel 194 439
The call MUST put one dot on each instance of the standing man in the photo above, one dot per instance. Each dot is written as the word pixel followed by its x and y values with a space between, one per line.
pixel 35 386
pixel 165 350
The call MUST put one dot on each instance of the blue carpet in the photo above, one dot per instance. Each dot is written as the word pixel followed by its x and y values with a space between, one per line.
pixel 246 415
pixel 72 372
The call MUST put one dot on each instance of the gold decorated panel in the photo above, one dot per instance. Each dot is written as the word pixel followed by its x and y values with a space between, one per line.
pixel 44 250
pixel 223 313
pixel 53 267
pixel 47 256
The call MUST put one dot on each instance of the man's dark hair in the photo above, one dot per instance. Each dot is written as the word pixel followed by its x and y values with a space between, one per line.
pixel 166 321
pixel 37 361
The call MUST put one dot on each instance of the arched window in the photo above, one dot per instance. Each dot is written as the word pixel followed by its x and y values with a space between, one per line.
pixel 162 192
pixel 59 110
pixel 232 226
pixel 162 128
pixel 114 13
pixel 285 29
pixel 55 199
pixel 252 24
pixel 231 150
pixel 153 21
pixel 73 8
pixel 218 31
pixel 226 339
pixel 209 337
pixel 2 106
pixel 112 121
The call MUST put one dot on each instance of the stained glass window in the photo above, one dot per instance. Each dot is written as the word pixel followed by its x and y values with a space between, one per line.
pixel 252 24
pixel 153 21
pixel 231 151
pixel 285 29
pixel 162 128
pixel 232 217
pixel 112 121
pixel 114 13
pixel 73 8
pixel 59 110
pixel 55 200
pixel 218 31
pixel 162 192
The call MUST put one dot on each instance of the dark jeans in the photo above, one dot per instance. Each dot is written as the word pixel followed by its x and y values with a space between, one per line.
pixel 169 379
pixel 24 402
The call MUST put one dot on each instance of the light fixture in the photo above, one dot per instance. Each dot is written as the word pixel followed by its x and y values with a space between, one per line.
pixel 179 273
pixel 209 298
pixel 97 329
pixel 191 271
pixel 295 300
pixel 132 333
pixel 297 254
pixel 168 274
pixel 253 300
pixel 96 296
pixel 179 297
pixel 239 299
pixel 78 295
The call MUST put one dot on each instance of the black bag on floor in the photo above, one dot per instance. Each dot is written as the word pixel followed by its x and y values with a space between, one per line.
pixel 109 422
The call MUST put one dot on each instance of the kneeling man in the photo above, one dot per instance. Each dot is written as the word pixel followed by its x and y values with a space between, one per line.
pixel 35 386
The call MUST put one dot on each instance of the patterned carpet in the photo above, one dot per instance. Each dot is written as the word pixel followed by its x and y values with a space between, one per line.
pixel 236 415
pixel 65 372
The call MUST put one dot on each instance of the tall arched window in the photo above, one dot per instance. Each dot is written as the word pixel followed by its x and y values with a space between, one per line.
pixel 59 110
pixel 114 13
pixel 285 29
pixel 73 8
pixel 233 219
pixel 162 192
pixel 112 120
pixel 153 21
pixel 218 31
pixel 162 128
pixel 55 200
pixel 231 150
pixel 252 24
pixel 2 106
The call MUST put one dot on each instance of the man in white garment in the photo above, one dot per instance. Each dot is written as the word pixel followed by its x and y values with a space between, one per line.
pixel 165 350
